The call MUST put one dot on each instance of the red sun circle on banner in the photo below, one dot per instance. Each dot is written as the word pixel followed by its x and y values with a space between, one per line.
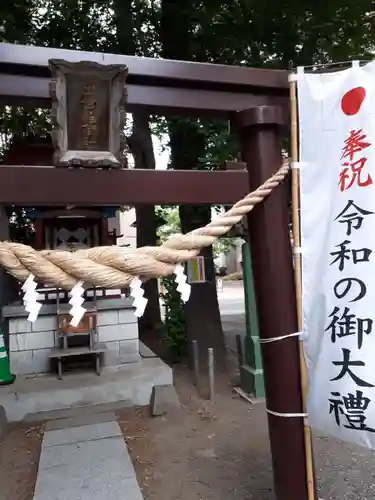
pixel 352 101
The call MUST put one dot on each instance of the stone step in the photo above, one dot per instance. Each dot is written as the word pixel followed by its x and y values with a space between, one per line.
pixel 78 412
pixel 79 421
pixel 47 398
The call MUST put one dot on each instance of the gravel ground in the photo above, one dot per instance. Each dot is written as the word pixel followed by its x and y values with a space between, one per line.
pixel 221 452
pixel 19 458
pixel 204 451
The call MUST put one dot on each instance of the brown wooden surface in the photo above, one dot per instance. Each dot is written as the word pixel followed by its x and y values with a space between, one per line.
pixel 77 351
pixel 39 234
pixel 42 186
pixel 156 99
pixel 105 238
pixel 65 327
pixel 142 70
pixel 276 301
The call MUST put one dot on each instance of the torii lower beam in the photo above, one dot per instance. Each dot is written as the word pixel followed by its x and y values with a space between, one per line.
pixel 50 186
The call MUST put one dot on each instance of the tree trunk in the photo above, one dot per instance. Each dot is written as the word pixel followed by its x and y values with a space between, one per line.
pixel 203 322
pixel 146 236
pixel 143 152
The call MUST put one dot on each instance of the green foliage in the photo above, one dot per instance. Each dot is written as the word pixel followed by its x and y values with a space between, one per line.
pixel 175 322
pixel 275 33
pixel 21 229
pixel 169 222
pixel 221 144
pixel 16 21
pixel 223 245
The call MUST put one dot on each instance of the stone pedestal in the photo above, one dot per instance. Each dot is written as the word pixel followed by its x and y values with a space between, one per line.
pixel 30 344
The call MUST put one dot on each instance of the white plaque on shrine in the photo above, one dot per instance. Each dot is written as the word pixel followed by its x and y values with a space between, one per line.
pixel 337 153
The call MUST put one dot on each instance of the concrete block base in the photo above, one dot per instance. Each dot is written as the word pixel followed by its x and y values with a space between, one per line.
pixel 252 381
pixel 163 400
pixel 31 344
pixel 132 383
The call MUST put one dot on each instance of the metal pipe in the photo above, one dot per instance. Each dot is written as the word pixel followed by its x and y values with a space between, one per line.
pixel 195 362
pixel 211 374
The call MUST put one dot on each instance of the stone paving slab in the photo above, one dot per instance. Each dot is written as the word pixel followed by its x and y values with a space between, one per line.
pixel 116 489
pixel 80 434
pixel 79 421
pixel 85 453
pixel 90 462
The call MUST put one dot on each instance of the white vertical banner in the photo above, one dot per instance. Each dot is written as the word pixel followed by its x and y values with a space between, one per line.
pixel 337 187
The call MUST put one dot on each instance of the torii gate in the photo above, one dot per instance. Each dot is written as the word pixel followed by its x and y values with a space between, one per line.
pixel 256 101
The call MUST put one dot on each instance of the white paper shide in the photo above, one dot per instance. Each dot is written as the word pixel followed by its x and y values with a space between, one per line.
pixel 337 153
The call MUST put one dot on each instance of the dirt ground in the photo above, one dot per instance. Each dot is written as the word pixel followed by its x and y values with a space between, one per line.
pixel 221 452
pixel 204 451
pixel 19 458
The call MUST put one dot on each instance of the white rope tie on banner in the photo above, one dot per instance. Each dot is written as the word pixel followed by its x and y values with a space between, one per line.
pixel 286 415
pixel 283 337
pixel 297 250
pixel 294 77
pixel 298 165
pixel 276 413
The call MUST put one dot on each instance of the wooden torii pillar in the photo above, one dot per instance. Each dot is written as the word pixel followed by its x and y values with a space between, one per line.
pixel 260 134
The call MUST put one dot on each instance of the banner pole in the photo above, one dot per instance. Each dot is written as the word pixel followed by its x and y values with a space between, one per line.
pixel 311 487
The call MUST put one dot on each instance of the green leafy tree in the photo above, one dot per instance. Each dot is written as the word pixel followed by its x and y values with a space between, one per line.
pixel 175 320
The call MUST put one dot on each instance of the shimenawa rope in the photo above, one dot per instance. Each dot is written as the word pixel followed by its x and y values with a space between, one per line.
pixel 115 267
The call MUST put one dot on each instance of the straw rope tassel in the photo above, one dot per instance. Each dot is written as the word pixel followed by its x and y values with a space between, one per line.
pixel 298 282
pixel 115 267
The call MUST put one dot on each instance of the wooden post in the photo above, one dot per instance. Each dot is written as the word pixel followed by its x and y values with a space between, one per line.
pixel 260 133
pixel 311 482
